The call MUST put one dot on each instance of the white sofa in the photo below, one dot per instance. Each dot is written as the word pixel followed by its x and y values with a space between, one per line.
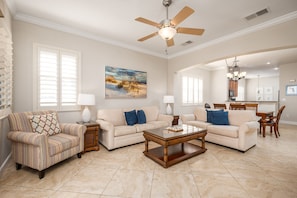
pixel 116 133
pixel 240 134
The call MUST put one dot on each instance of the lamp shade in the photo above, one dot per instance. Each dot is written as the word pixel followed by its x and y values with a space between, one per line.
pixel 86 99
pixel 168 99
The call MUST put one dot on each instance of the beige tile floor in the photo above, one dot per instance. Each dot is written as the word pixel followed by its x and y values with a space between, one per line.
pixel 267 170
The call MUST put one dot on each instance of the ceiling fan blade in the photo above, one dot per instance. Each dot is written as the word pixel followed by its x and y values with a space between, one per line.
pixel 194 31
pixel 149 22
pixel 182 15
pixel 148 36
pixel 170 42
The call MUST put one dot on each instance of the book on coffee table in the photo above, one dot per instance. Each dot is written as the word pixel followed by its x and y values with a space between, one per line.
pixel 175 128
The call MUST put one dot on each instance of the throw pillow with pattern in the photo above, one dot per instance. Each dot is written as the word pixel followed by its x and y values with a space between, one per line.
pixel 47 124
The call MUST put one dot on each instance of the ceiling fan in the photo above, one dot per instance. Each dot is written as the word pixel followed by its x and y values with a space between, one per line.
pixel 168 27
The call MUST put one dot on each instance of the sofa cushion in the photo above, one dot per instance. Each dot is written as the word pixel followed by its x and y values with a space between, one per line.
pixel 224 130
pixel 151 113
pixel 158 124
pixel 131 117
pixel 219 118
pixel 61 142
pixel 238 117
pixel 143 127
pixel 115 116
pixel 199 124
pixel 141 119
pixel 200 114
pixel 124 130
pixel 47 124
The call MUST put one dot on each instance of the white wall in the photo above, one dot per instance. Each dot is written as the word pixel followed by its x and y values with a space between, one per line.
pixel 253 84
pixel 278 36
pixel 194 72
pixel 288 72
pixel 95 56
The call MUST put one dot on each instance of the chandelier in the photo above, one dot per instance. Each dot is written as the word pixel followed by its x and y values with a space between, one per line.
pixel 234 71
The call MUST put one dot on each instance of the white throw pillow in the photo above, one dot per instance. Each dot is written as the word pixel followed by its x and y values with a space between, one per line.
pixel 47 124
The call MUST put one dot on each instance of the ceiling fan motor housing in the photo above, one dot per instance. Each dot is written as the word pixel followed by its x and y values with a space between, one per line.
pixel 167 3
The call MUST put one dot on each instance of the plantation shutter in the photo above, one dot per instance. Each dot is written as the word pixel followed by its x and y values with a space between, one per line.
pixel 58 79
pixel 5 72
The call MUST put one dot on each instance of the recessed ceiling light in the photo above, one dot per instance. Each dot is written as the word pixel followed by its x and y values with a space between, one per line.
pixel 268 63
pixel 276 68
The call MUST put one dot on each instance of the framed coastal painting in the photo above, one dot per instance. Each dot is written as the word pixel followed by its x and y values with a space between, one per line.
pixel 291 90
pixel 125 83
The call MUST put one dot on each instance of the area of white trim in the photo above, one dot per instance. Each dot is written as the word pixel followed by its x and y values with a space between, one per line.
pixel 282 19
pixel 288 122
pixel 63 28
pixel 5 162
pixel 75 31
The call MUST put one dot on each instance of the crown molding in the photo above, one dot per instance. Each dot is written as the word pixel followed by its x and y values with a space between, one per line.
pixel 78 32
pixel 276 21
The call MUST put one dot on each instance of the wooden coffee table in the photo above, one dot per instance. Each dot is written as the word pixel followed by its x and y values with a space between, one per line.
pixel 174 145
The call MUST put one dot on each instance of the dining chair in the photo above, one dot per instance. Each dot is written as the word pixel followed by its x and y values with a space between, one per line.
pixel 251 106
pixel 273 121
pixel 219 106
pixel 236 106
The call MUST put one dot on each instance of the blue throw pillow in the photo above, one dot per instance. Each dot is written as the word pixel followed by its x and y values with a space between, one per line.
pixel 220 118
pixel 141 117
pixel 131 117
pixel 209 114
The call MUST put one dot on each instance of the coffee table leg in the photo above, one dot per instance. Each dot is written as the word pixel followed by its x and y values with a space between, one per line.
pixel 165 154
pixel 203 142
pixel 146 145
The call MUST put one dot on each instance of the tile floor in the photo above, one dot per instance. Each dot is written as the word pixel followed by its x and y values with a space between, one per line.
pixel 267 170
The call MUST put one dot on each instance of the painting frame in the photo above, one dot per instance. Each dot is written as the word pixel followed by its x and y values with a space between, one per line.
pixel 121 83
pixel 291 90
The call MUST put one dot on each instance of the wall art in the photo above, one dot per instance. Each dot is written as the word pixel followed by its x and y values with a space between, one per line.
pixel 291 90
pixel 125 83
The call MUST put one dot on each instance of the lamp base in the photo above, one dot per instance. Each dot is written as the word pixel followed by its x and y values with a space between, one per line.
pixel 168 109
pixel 86 115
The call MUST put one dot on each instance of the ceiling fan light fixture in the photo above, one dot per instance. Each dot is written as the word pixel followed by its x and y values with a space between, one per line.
pixel 167 33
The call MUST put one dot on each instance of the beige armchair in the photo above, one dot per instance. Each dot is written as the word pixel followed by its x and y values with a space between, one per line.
pixel 34 148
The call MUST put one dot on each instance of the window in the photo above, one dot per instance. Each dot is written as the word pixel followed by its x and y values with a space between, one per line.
pixel 192 90
pixel 5 72
pixel 57 78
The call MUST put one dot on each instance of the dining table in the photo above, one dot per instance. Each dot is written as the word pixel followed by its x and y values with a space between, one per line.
pixel 263 116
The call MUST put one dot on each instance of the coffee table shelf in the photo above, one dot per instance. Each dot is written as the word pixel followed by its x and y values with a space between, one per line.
pixel 176 153
pixel 174 146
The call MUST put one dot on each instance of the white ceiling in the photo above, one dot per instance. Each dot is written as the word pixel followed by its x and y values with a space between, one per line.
pixel 112 21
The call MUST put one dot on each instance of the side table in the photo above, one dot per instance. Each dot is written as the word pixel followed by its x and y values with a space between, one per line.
pixel 175 120
pixel 91 136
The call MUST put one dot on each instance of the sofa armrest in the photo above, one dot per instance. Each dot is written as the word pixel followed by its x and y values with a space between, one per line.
pixel 167 118
pixel 106 137
pixel 75 130
pixel 31 138
pixel 247 135
pixel 187 117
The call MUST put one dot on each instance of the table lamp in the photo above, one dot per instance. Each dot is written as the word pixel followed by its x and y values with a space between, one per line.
pixel 86 100
pixel 168 100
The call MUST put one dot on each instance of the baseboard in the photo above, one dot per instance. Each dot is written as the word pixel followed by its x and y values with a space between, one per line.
pixel 287 122
pixel 5 161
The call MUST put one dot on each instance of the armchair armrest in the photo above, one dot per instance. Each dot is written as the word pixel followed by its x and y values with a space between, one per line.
pixel 167 118
pixel 75 130
pixel 31 138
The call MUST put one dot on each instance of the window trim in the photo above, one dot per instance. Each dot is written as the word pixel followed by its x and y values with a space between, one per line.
pixel 36 103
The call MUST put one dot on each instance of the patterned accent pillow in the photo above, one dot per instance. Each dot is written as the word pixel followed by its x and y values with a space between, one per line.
pixel 47 124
